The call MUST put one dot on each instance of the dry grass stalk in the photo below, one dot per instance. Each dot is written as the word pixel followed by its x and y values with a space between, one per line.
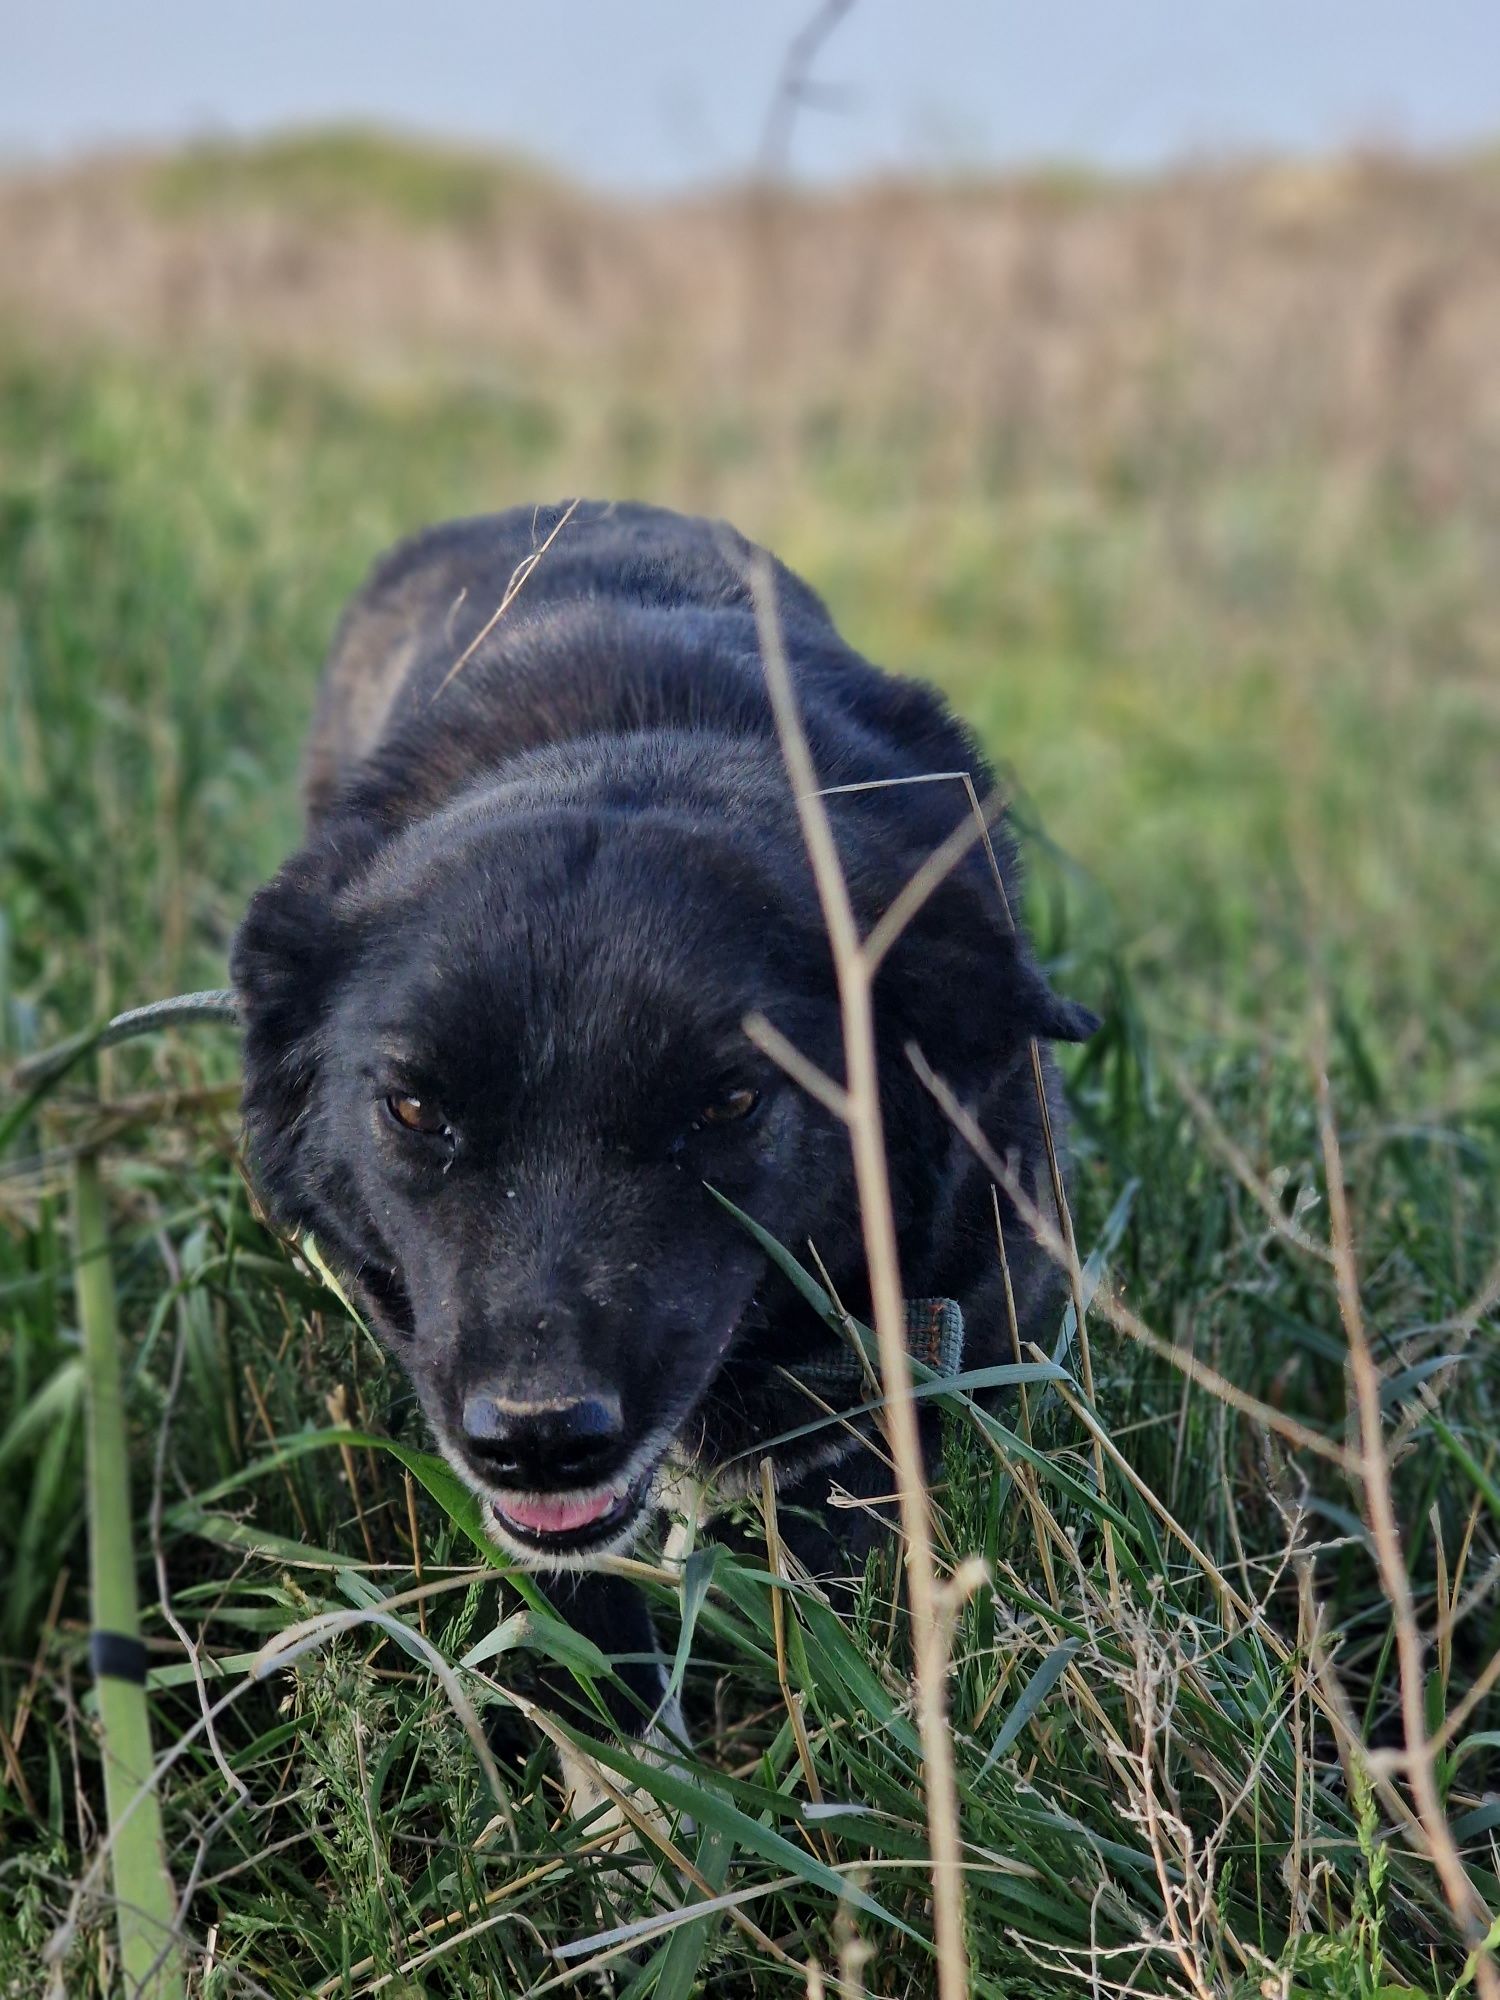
pixel 648 1826
pixel 867 1141
pixel 1119 1315
pixel 414 1530
pixel 1468 1907
pixel 1175 1873
pixel 342 1418
pixel 1074 1272
pixel 1025 1477
pixel 512 591
pixel 1232 1604
pixel 1325 1690
pixel 1235 1158
pixel 776 1564
pixel 935 870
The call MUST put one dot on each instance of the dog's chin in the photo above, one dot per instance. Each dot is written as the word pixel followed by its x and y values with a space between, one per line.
pixel 569 1530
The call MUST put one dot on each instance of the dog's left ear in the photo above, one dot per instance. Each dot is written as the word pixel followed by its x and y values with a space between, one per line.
pixel 1046 1014
pixel 972 1003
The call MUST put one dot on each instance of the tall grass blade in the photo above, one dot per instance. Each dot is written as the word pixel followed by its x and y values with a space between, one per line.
pixel 145 1905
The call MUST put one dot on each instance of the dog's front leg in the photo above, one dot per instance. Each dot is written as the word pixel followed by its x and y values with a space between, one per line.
pixel 614 1615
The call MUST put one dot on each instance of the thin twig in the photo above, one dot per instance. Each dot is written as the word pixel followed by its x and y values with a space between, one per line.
pixel 1464 1900
pixel 415 1530
pixel 512 591
pixel 1074 1272
pixel 822 1089
pixel 1119 1315
pixel 1239 1165
pixel 795 88
pixel 877 1218
pixel 929 878
pixel 776 1564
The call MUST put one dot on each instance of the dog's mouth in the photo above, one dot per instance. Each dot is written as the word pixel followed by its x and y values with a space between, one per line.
pixel 569 1523
pixel 572 1527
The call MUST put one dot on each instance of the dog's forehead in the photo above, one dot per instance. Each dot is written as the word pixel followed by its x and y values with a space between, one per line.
pixel 523 868
pixel 563 948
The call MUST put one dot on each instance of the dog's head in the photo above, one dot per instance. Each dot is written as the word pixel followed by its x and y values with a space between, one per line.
pixel 495 1063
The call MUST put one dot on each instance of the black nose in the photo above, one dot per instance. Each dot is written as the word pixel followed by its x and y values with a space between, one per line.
pixel 545 1444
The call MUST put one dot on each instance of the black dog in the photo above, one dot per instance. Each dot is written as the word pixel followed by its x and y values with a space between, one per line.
pixel 494 1010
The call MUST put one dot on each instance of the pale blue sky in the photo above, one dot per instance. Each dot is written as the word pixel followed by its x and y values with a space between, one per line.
pixel 660 93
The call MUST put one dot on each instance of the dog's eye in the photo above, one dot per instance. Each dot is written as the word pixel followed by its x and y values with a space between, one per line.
pixel 730 1108
pixel 416 1116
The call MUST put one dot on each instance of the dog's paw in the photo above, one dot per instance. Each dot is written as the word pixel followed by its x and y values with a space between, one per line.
pixel 591 1792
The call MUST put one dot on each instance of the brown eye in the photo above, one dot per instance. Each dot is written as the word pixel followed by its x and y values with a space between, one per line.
pixel 729 1109
pixel 416 1116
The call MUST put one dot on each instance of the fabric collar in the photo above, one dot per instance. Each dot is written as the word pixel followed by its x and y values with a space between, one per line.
pixel 934 1336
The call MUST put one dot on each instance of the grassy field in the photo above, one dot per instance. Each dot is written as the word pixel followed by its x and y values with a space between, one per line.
pixel 1248 697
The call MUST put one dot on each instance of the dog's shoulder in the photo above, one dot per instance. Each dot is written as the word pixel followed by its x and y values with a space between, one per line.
pixel 447 592
pixel 491 638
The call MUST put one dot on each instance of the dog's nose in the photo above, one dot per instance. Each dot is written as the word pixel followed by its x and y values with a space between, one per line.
pixel 544 1444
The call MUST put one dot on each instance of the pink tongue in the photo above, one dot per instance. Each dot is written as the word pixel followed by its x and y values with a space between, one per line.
pixel 555 1514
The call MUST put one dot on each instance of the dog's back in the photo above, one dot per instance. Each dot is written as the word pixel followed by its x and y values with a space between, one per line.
pixel 432 598
pixel 484 638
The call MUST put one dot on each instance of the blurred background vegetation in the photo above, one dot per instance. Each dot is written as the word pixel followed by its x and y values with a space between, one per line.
pixel 1187 489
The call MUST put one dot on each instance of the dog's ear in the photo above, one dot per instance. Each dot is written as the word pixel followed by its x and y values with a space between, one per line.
pixel 1046 1014
pixel 276 960
pixel 284 966
pixel 970 994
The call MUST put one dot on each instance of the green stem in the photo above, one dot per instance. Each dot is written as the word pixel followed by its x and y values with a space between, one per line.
pixel 146 1906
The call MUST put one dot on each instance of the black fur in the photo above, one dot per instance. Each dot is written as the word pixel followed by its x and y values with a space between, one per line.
pixel 544 892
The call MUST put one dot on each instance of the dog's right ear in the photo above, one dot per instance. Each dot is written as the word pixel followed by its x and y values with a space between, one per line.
pixel 284 965
pixel 277 963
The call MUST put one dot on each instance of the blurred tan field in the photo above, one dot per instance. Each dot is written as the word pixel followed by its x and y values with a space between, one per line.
pixel 1188 489
pixel 1347 312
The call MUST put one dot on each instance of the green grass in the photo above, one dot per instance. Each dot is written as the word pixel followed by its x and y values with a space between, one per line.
pixel 1257 733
